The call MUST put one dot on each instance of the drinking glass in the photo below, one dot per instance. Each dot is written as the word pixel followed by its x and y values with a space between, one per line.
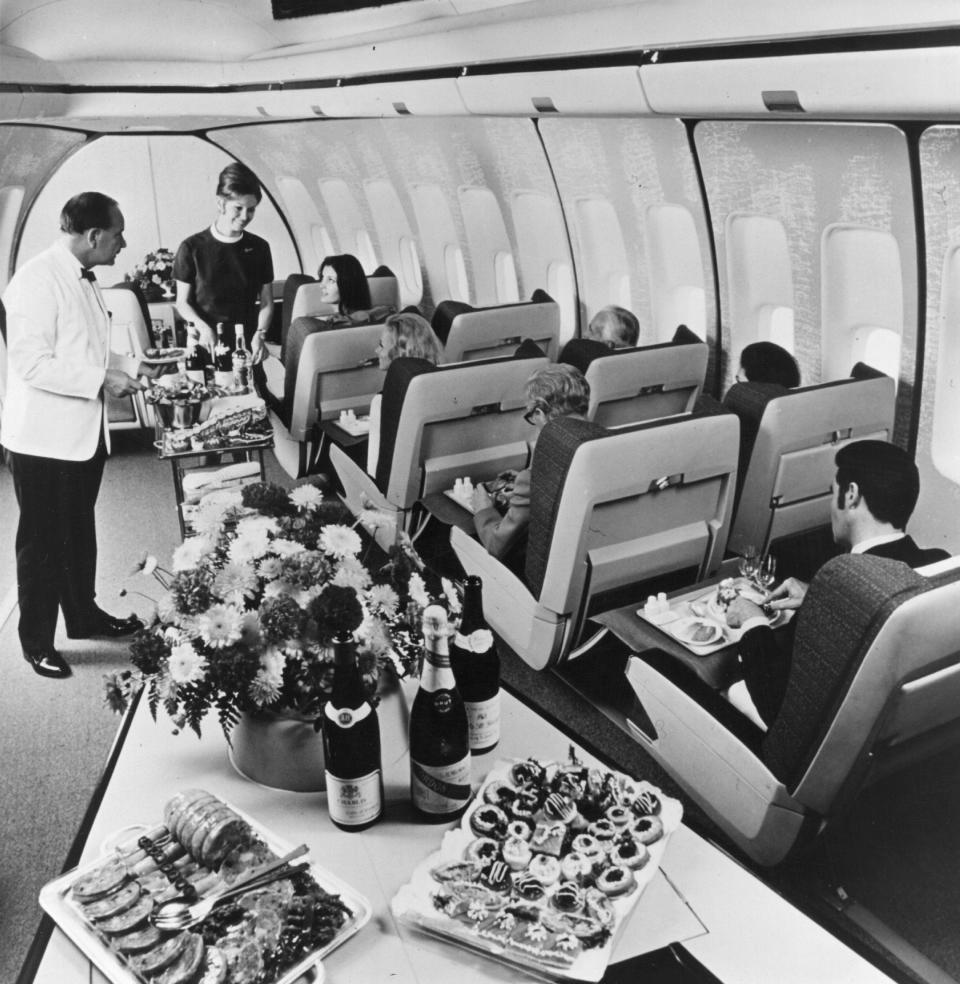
pixel 767 572
pixel 749 563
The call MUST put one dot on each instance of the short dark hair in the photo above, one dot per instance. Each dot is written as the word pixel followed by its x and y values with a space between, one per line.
pixel 238 179
pixel 88 210
pixel 351 282
pixel 558 390
pixel 767 362
pixel 886 476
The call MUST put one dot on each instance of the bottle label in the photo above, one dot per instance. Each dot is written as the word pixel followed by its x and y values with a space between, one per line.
pixel 476 642
pixel 440 788
pixel 347 717
pixel 352 802
pixel 483 718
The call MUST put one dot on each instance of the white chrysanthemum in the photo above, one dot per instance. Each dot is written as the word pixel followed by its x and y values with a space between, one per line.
pixel 263 690
pixel 340 541
pixel 352 574
pixel 279 588
pixel 304 596
pixel 384 599
pixel 450 593
pixel 306 497
pixel 249 545
pixel 234 583
pixel 219 625
pixel 287 548
pixel 272 662
pixel 191 552
pixel 186 664
pixel 373 519
pixel 270 568
pixel 256 524
pixel 167 607
pixel 373 634
pixel 418 591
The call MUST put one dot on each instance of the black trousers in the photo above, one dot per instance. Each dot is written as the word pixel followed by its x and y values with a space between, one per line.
pixel 56 543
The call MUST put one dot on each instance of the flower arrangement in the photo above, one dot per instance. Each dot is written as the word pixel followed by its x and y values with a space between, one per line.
pixel 256 597
pixel 154 276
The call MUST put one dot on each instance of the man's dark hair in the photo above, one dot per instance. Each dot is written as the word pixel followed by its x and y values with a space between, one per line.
pixel 238 179
pixel 88 210
pixel 767 362
pixel 886 476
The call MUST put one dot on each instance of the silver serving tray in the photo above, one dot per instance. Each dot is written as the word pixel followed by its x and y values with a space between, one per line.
pixel 56 901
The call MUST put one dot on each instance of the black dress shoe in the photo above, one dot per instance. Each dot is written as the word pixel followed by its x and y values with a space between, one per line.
pixel 49 664
pixel 102 625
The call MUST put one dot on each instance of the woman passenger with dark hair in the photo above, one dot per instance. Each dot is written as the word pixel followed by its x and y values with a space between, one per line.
pixel 767 362
pixel 224 273
pixel 343 282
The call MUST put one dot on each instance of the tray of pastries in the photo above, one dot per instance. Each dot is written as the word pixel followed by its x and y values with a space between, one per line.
pixel 545 867
pixel 274 934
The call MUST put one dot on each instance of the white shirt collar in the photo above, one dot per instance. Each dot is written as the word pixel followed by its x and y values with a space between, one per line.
pixel 875 541
pixel 220 237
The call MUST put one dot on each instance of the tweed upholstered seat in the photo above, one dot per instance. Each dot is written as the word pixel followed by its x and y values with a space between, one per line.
pixel 470 333
pixel 788 471
pixel 609 509
pixel 440 423
pixel 874 684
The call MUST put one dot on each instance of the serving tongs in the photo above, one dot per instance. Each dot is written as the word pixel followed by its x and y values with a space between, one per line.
pixel 180 915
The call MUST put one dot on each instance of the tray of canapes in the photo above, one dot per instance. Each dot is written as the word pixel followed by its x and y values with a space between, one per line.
pixel 273 934
pixel 545 867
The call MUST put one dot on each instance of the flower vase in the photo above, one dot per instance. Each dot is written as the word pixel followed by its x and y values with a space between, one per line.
pixel 278 750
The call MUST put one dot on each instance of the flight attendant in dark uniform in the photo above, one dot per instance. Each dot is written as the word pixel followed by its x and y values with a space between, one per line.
pixel 224 273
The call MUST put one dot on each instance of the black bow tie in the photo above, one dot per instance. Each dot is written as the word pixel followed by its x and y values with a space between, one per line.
pixel 87 274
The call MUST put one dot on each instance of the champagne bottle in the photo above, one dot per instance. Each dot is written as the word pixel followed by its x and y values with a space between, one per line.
pixel 222 365
pixel 241 362
pixel 194 360
pixel 476 666
pixel 351 746
pixel 439 740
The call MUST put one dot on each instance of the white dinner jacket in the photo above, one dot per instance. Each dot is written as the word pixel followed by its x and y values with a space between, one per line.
pixel 57 356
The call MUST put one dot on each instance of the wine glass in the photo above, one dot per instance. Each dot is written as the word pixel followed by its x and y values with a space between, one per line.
pixel 749 562
pixel 766 572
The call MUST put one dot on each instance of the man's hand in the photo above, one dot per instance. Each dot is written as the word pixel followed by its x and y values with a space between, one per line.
pixel 208 337
pixel 788 595
pixel 481 498
pixel 740 609
pixel 153 371
pixel 117 383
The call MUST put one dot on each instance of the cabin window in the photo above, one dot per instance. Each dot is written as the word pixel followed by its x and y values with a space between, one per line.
pixel 439 238
pixel 945 447
pixel 862 300
pixel 11 198
pixel 759 281
pixel 393 230
pixel 675 267
pixel 322 243
pixel 348 221
pixel 410 267
pixel 491 255
pixel 305 221
pixel 543 254
pixel 505 271
pixel 602 256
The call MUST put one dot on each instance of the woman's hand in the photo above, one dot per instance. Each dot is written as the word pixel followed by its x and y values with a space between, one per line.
pixel 481 498
pixel 258 350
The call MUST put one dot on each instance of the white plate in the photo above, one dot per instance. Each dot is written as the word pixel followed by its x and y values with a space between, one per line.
pixel 684 628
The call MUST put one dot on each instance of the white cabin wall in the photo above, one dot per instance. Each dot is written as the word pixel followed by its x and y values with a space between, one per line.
pixel 808 177
pixel 165 186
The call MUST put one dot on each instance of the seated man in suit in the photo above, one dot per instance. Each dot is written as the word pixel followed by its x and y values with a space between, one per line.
pixel 612 327
pixel 553 391
pixel 874 494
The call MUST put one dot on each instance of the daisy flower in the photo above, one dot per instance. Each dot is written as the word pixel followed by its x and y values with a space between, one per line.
pixel 249 545
pixel 272 662
pixel 340 541
pixel 306 497
pixel 219 625
pixel 450 593
pixel 263 689
pixel 270 568
pixel 188 555
pixel 384 599
pixel 352 574
pixel 186 664
pixel 418 591
pixel 235 582
pixel 287 548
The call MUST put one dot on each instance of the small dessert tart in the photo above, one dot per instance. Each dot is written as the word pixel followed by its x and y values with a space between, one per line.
pixel 576 867
pixel 559 807
pixel 648 829
pixel 620 816
pixel 516 852
pixel 548 838
pixel 529 887
pixel 616 880
pixel 568 897
pixel 523 829
pixel 589 846
pixel 527 773
pixel 525 804
pixel 545 868
pixel 599 906
pixel 489 821
pixel 630 852
pixel 483 851
pixel 499 793
pixel 646 803
pixel 603 830
pixel 497 877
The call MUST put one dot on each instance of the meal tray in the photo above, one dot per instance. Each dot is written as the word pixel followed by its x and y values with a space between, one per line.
pixel 56 901
pixel 413 904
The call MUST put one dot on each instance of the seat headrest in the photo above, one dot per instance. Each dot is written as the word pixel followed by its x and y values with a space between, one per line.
pixel 864 371
pixel 555 449
pixel 528 349
pixel 399 375
pixel 384 288
pixel 580 352
pixel 443 316
pixel 685 336
pixel 849 599
pixel 290 287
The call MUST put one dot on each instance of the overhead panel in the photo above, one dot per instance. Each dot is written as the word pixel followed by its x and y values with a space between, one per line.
pixel 892 84
pixel 414 97
pixel 603 91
